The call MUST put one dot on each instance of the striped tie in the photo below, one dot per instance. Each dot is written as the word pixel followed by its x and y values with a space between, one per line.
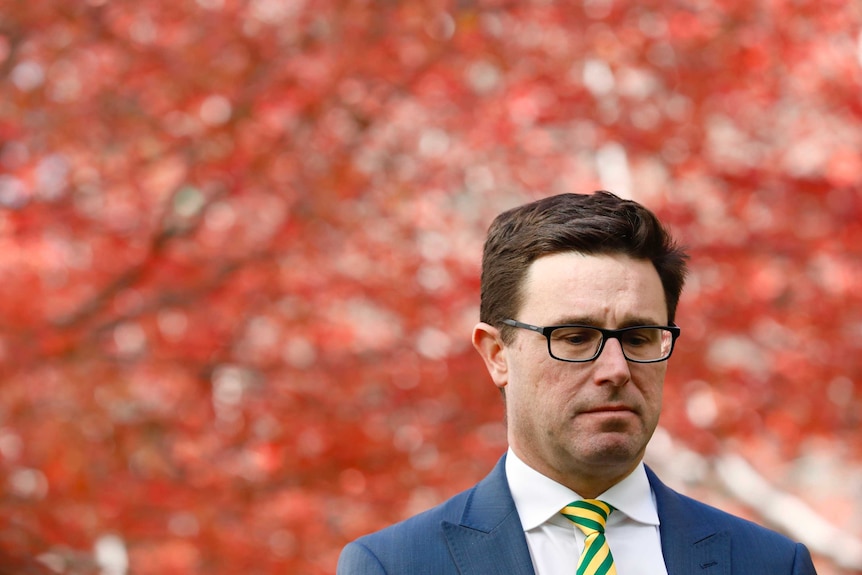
pixel 590 516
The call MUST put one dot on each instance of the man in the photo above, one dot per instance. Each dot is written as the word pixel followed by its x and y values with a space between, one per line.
pixel 579 294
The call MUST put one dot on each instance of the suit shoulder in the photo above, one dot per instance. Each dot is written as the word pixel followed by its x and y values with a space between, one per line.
pixel 755 534
pixel 672 503
pixel 413 545
pixel 449 510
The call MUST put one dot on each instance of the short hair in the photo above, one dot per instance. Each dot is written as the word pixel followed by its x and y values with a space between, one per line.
pixel 600 223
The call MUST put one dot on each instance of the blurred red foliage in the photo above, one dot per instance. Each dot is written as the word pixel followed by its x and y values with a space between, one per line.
pixel 240 241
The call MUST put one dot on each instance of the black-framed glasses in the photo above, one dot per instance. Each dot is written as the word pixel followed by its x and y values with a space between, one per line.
pixel 583 343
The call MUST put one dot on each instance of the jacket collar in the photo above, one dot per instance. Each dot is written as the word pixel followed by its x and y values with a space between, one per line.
pixel 689 544
pixel 489 538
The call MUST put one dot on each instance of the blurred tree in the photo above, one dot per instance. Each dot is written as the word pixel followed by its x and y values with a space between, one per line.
pixel 240 240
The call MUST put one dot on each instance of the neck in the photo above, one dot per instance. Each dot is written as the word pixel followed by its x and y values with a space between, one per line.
pixel 589 485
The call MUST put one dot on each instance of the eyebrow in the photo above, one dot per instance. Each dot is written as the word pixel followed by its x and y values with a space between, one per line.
pixel 595 322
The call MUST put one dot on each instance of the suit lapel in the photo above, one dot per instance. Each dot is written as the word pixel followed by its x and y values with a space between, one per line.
pixel 689 544
pixel 489 539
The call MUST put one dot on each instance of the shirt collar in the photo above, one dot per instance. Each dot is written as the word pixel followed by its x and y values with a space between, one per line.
pixel 539 498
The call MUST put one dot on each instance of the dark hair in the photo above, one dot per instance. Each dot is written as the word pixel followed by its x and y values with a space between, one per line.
pixel 594 224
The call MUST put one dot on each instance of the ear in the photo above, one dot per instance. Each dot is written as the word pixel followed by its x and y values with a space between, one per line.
pixel 489 344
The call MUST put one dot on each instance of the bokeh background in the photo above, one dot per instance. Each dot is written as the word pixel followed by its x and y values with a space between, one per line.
pixel 240 244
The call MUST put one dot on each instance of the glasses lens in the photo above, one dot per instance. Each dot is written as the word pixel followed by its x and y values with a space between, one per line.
pixel 646 343
pixel 583 343
pixel 575 342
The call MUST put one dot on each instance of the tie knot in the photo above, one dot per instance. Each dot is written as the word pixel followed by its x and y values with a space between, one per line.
pixel 588 514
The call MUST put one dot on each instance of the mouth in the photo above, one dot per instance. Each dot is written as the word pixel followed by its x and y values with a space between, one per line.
pixel 610 418
pixel 609 409
pixel 610 412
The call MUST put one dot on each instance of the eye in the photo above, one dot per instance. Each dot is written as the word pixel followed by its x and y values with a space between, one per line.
pixel 640 337
pixel 577 336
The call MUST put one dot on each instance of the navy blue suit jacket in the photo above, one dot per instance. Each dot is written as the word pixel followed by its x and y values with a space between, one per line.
pixel 478 532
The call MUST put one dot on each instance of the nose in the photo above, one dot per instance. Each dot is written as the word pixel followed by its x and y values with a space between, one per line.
pixel 612 367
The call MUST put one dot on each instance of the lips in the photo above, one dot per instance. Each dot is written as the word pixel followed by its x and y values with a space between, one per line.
pixel 608 409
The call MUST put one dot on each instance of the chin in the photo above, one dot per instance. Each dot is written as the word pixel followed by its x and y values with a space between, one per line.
pixel 609 450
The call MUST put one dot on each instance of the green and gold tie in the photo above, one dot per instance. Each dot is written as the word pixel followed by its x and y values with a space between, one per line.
pixel 590 516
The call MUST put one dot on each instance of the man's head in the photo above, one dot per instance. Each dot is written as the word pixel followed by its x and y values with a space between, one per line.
pixel 592 224
pixel 596 261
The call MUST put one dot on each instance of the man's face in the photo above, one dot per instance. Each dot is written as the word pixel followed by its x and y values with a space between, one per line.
pixel 585 425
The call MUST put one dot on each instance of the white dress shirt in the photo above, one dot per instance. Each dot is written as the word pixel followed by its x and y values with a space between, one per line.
pixel 555 542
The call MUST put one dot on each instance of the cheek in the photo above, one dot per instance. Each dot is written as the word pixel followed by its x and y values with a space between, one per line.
pixel 531 366
pixel 536 386
pixel 651 383
pixel 654 401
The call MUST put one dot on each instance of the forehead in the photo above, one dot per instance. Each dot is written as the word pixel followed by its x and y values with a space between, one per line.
pixel 611 288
